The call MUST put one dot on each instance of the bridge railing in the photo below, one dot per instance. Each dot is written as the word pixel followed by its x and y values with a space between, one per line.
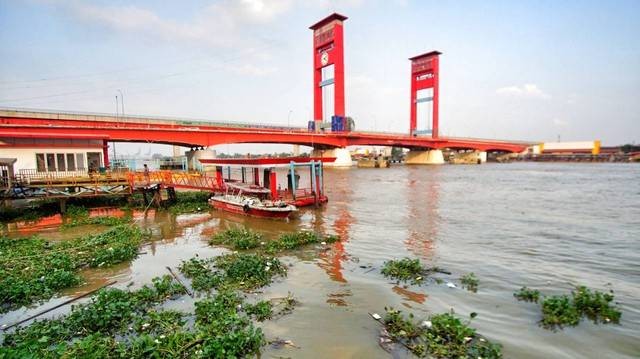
pixel 137 119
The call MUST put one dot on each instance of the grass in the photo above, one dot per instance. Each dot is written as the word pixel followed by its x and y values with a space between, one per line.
pixel 232 271
pixel 443 336
pixel 404 270
pixel 33 269
pixel 470 281
pixel 238 238
pixel 527 295
pixel 124 324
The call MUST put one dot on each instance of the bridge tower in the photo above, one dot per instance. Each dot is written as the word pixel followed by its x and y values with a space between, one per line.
pixel 328 65
pixel 424 89
pixel 328 79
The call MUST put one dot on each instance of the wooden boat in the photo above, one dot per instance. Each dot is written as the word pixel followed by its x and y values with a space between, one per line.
pixel 252 206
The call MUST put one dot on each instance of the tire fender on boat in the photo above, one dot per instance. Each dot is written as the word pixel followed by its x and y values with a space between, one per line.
pixel 246 208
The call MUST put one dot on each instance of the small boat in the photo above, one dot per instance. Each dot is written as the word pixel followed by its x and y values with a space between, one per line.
pixel 252 206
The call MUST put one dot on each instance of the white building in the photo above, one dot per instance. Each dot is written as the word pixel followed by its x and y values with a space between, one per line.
pixel 42 155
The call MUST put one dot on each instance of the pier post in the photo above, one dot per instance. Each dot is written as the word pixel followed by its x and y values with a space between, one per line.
pixel 342 155
pixel 424 157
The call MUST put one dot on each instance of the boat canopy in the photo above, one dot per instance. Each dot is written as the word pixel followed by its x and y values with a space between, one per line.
pixel 269 162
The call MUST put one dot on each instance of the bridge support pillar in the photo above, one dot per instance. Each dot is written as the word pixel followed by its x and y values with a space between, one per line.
pixel 469 158
pixel 193 157
pixel 428 157
pixel 342 155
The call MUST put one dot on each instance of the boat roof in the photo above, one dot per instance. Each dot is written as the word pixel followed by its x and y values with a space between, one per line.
pixel 265 161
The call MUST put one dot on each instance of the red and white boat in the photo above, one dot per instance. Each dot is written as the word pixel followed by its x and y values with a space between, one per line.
pixel 252 206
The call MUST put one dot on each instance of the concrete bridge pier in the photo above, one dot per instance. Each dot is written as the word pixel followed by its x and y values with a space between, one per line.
pixel 424 157
pixel 469 158
pixel 342 155
pixel 194 155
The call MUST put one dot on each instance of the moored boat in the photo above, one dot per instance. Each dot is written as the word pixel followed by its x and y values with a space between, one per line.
pixel 252 206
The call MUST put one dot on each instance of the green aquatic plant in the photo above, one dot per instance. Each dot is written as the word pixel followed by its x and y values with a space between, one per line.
pixel 405 269
pixel 241 271
pixel 262 310
pixel 290 241
pixel 238 238
pixel 33 269
pixel 190 202
pixel 527 294
pixel 123 324
pixel 563 310
pixel 558 311
pixel 470 281
pixel 596 305
pixel 441 336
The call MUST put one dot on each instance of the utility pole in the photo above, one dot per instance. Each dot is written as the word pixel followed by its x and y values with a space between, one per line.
pixel 122 101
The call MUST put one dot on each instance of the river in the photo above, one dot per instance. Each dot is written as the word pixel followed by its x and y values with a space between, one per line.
pixel 544 225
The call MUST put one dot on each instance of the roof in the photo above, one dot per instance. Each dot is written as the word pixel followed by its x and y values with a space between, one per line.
pixel 264 162
pixel 7 161
pixel 334 16
pixel 432 53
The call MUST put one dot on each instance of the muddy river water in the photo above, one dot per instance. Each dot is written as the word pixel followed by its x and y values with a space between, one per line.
pixel 546 226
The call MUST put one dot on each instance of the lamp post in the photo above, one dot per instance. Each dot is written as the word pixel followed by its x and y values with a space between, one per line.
pixel 289 118
pixel 122 101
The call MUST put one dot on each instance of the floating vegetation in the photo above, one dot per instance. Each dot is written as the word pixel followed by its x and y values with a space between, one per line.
pixel 33 269
pixel 119 324
pixel 595 305
pixel 470 281
pixel 238 238
pixel 190 202
pixel 236 271
pixel 262 310
pixel 441 336
pixel 527 295
pixel 289 241
pixel 405 269
pixel 562 310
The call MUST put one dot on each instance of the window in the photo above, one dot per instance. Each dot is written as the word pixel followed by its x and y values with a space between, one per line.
pixel 60 160
pixel 71 162
pixel 80 161
pixel 51 162
pixel 40 165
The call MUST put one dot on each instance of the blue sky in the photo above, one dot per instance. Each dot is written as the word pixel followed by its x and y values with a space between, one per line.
pixel 510 69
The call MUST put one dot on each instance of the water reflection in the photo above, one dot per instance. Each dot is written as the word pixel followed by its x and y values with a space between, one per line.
pixel 331 261
pixel 423 192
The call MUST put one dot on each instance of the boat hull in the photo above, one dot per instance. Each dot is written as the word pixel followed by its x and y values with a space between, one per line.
pixel 238 208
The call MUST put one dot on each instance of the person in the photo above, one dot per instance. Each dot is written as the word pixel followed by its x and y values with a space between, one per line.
pixel 146 174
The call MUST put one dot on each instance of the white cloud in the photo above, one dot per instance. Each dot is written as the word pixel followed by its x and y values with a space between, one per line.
pixel 524 91
pixel 221 24
pixel 253 70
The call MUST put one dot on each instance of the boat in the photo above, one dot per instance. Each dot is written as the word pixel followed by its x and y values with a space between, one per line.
pixel 247 205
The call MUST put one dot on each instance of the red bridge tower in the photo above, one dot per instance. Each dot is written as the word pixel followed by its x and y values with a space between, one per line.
pixel 424 76
pixel 328 63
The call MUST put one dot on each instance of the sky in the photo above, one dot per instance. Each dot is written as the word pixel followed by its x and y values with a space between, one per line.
pixel 519 70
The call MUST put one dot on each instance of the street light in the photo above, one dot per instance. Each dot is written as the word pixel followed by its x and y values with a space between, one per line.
pixel 122 101
pixel 289 118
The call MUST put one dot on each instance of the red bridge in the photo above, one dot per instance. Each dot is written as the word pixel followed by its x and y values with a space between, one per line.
pixel 328 74
pixel 47 125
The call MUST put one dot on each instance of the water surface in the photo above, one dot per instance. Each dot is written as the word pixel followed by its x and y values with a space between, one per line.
pixel 547 226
